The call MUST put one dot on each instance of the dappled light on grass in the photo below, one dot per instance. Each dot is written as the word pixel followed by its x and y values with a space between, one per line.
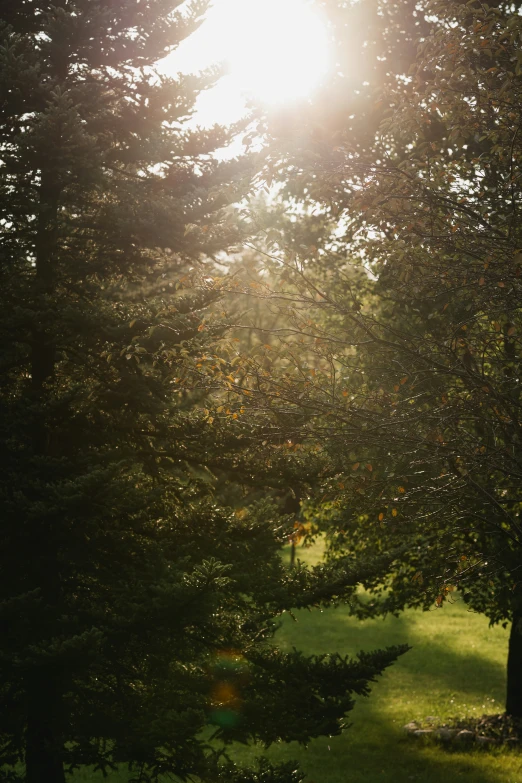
pixel 456 667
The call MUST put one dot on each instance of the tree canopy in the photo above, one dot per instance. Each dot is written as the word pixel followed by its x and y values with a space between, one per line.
pixel 397 263
pixel 132 618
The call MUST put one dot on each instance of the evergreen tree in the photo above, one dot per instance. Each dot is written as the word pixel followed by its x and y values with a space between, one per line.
pixel 131 615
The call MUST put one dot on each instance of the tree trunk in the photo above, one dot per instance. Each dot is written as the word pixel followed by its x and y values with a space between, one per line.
pixel 44 735
pixel 292 554
pixel 514 666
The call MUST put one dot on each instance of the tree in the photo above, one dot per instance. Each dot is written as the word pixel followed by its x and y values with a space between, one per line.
pixel 131 616
pixel 411 305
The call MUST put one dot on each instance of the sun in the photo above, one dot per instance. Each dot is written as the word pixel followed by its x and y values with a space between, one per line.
pixel 280 49
pixel 276 52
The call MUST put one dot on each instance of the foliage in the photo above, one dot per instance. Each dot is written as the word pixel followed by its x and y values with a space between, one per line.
pixel 426 681
pixel 406 321
pixel 132 616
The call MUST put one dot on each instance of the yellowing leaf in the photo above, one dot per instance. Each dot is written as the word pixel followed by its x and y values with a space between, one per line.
pixel 381 517
pixel 402 490
pixel 354 467
pixel 481 281
pixel 394 512
pixel 369 467
pixel 403 380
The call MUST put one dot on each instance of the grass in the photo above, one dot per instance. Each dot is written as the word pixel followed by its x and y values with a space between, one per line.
pixel 456 667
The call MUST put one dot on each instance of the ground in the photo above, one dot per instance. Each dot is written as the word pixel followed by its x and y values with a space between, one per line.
pixel 456 667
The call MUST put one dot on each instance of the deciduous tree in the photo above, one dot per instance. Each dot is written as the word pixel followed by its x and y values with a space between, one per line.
pixel 411 306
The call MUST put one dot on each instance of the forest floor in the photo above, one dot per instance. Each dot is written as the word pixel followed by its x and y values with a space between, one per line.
pixel 456 668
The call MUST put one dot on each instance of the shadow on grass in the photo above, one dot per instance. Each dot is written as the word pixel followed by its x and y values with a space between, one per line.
pixel 388 757
pixel 382 754
pixel 441 662
pixel 471 672
pixel 453 654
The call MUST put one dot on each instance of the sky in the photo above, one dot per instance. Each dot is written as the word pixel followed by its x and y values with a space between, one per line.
pixel 276 51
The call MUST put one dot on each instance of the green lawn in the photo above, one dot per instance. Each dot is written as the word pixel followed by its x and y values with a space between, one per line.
pixel 455 668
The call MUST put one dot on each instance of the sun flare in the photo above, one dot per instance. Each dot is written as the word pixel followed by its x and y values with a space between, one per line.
pixel 280 48
pixel 276 51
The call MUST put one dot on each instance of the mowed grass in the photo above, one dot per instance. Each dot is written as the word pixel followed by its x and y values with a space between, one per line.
pixel 456 667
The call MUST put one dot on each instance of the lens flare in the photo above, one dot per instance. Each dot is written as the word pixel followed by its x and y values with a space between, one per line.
pixel 229 673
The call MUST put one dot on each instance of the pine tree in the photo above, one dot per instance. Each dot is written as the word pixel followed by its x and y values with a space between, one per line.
pixel 131 615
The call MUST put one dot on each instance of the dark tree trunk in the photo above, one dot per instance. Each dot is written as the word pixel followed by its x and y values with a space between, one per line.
pixel 514 666
pixel 43 348
pixel 44 736
pixel 292 554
